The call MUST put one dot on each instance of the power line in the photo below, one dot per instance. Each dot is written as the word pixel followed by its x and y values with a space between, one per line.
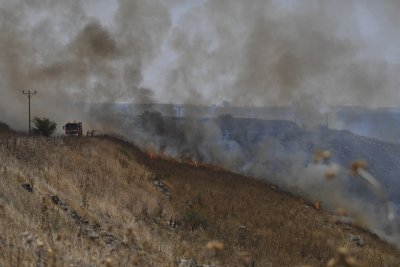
pixel 29 94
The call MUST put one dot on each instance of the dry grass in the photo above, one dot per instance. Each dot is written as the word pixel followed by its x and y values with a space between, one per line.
pixel 110 213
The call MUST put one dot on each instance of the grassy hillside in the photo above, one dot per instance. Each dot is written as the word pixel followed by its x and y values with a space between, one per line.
pixel 5 130
pixel 103 202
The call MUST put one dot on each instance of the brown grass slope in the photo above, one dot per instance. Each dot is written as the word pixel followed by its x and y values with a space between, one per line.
pixel 5 130
pixel 103 202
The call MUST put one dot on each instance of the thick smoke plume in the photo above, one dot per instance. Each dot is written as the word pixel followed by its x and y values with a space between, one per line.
pixel 70 58
pixel 310 55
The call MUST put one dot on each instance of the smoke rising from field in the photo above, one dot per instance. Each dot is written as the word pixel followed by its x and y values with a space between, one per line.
pixel 282 153
pixel 307 54
pixel 71 58
pixel 310 54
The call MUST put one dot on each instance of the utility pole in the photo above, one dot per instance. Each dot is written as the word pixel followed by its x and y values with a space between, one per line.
pixel 179 107
pixel 29 94
pixel 326 120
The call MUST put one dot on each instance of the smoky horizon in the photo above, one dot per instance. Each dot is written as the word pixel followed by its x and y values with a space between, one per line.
pixel 307 54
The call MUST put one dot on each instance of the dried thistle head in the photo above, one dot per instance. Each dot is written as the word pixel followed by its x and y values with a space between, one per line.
pixel 108 262
pixel 342 258
pixel 341 212
pixel 357 165
pixel 342 251
pixel 331 173
pixel 320 156
pixel 326 154
pixel 245 257
pixel 351 261
pixel 215 245
pixel 39 243
pixel 331 263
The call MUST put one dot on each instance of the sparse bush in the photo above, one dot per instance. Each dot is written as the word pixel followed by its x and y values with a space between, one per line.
pixel 194 219
pixel 4 126
pixel 44 126
pixel 55 221
pixel 5 129
pixel 124 152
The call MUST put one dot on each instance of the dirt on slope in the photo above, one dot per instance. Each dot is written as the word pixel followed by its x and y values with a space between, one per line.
pixel 103 202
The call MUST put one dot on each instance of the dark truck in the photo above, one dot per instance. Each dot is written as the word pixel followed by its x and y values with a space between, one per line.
pixel 73 128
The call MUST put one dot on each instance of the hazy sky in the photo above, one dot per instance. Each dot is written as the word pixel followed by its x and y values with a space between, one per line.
pixel 368 25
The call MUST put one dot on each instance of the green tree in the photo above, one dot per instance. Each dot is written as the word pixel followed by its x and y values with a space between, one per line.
pixel 44 126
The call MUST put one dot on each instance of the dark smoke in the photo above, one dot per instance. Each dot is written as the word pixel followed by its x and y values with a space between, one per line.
pixel 72 59
pixel 310 54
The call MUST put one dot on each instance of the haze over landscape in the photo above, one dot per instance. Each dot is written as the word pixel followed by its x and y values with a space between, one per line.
pixel 260 88
pixel 310 54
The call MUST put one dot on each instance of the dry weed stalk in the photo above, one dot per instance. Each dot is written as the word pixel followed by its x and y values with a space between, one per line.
pixel 84 188
pixel 44 211
pixel 342 259
pixel 358 168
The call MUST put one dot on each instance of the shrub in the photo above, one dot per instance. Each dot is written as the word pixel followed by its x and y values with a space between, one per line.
pixel 194 219
pixel 5 130
pixel 4 126
pixel 44 126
